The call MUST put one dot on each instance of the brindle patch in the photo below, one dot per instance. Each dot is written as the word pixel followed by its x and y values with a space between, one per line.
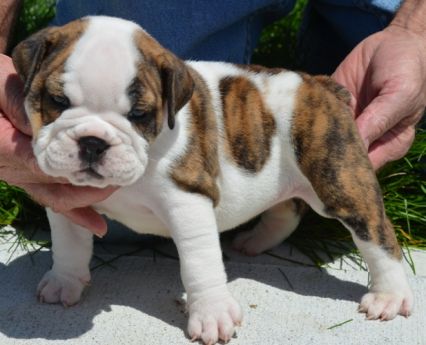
pixel 248 124
pixel 52 90
pixel 39 61
pixel 332 156
pixel 341 92
pixel 196 170
pixel 147 113
pixel 145 91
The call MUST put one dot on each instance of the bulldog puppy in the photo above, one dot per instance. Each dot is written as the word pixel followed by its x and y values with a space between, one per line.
pixel 198 148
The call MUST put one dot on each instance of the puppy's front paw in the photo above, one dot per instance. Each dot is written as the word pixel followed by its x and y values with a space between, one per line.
pixel 386 305
pixel 58 287
pixel 213 318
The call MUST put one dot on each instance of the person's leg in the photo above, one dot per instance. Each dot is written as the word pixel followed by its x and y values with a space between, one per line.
pixel 331 29
pixel 223 30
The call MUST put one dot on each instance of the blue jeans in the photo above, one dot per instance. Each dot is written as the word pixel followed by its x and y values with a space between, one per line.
pixel 332 28
pixel 223 30
pixel 228 30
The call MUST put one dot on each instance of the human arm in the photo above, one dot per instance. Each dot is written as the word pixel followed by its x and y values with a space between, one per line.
pixel 386 74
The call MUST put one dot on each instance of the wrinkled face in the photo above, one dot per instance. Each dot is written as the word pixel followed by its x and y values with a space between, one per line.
pixel 98 91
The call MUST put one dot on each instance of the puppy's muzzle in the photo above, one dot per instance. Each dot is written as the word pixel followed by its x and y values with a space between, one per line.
pixel 92 149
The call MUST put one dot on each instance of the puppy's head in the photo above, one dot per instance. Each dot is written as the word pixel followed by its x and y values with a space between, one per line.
pixel 98 91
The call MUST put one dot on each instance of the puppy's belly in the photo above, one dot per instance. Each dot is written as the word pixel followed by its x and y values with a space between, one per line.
pixel 124 208
pixel 234 211
pixel 245 195
pixel 242 197
pixel 142 220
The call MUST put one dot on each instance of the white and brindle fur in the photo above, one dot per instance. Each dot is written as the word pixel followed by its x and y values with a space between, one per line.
pixel 88 78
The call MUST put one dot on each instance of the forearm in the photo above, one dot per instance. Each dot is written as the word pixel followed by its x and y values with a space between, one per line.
pixel 8 12
pixel 411 16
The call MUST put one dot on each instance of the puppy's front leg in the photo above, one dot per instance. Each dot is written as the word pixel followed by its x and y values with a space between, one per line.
pixel 72 249
pixel 213 312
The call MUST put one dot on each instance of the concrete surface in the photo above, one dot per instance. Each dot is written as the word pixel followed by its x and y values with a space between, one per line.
pixel 137 299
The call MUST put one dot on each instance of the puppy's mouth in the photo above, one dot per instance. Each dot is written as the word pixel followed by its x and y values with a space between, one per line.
pixel 92 172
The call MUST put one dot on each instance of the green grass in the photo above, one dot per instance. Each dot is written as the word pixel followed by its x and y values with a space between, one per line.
pixel 17 208
pixel 403 182
pixel 11 199
pixel 340 324
pixel 277 44
pixel 404 190
pixel 35 14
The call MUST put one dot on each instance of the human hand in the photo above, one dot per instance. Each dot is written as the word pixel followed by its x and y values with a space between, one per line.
pixel 386 74
pixel 18 166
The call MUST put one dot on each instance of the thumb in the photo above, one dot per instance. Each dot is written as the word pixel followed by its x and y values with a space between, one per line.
pixel 88 218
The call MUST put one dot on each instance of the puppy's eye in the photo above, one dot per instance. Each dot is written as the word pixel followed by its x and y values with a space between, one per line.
pixel 61 101
pixel 135 115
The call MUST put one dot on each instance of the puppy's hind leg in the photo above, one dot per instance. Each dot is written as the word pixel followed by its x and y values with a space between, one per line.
pixel 363 214
pixel 342 184
pixel 275 225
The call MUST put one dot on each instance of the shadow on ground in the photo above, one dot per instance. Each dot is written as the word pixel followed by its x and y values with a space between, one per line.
pixel 149 284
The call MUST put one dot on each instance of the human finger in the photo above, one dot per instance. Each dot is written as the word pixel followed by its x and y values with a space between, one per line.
pixel 17 161
pixel 63 197
pixel 88 218
pixel 383 113
pixel 392 146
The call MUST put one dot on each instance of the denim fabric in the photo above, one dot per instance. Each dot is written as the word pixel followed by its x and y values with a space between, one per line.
pixel 225 30
pixel 332 28
pixel 228 30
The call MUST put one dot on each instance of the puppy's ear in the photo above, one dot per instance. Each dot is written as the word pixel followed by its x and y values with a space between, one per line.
pixel 177 85
pixel 28 55
pixel 176 81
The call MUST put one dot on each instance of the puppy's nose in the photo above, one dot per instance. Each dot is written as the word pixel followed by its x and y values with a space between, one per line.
pixel 91 148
